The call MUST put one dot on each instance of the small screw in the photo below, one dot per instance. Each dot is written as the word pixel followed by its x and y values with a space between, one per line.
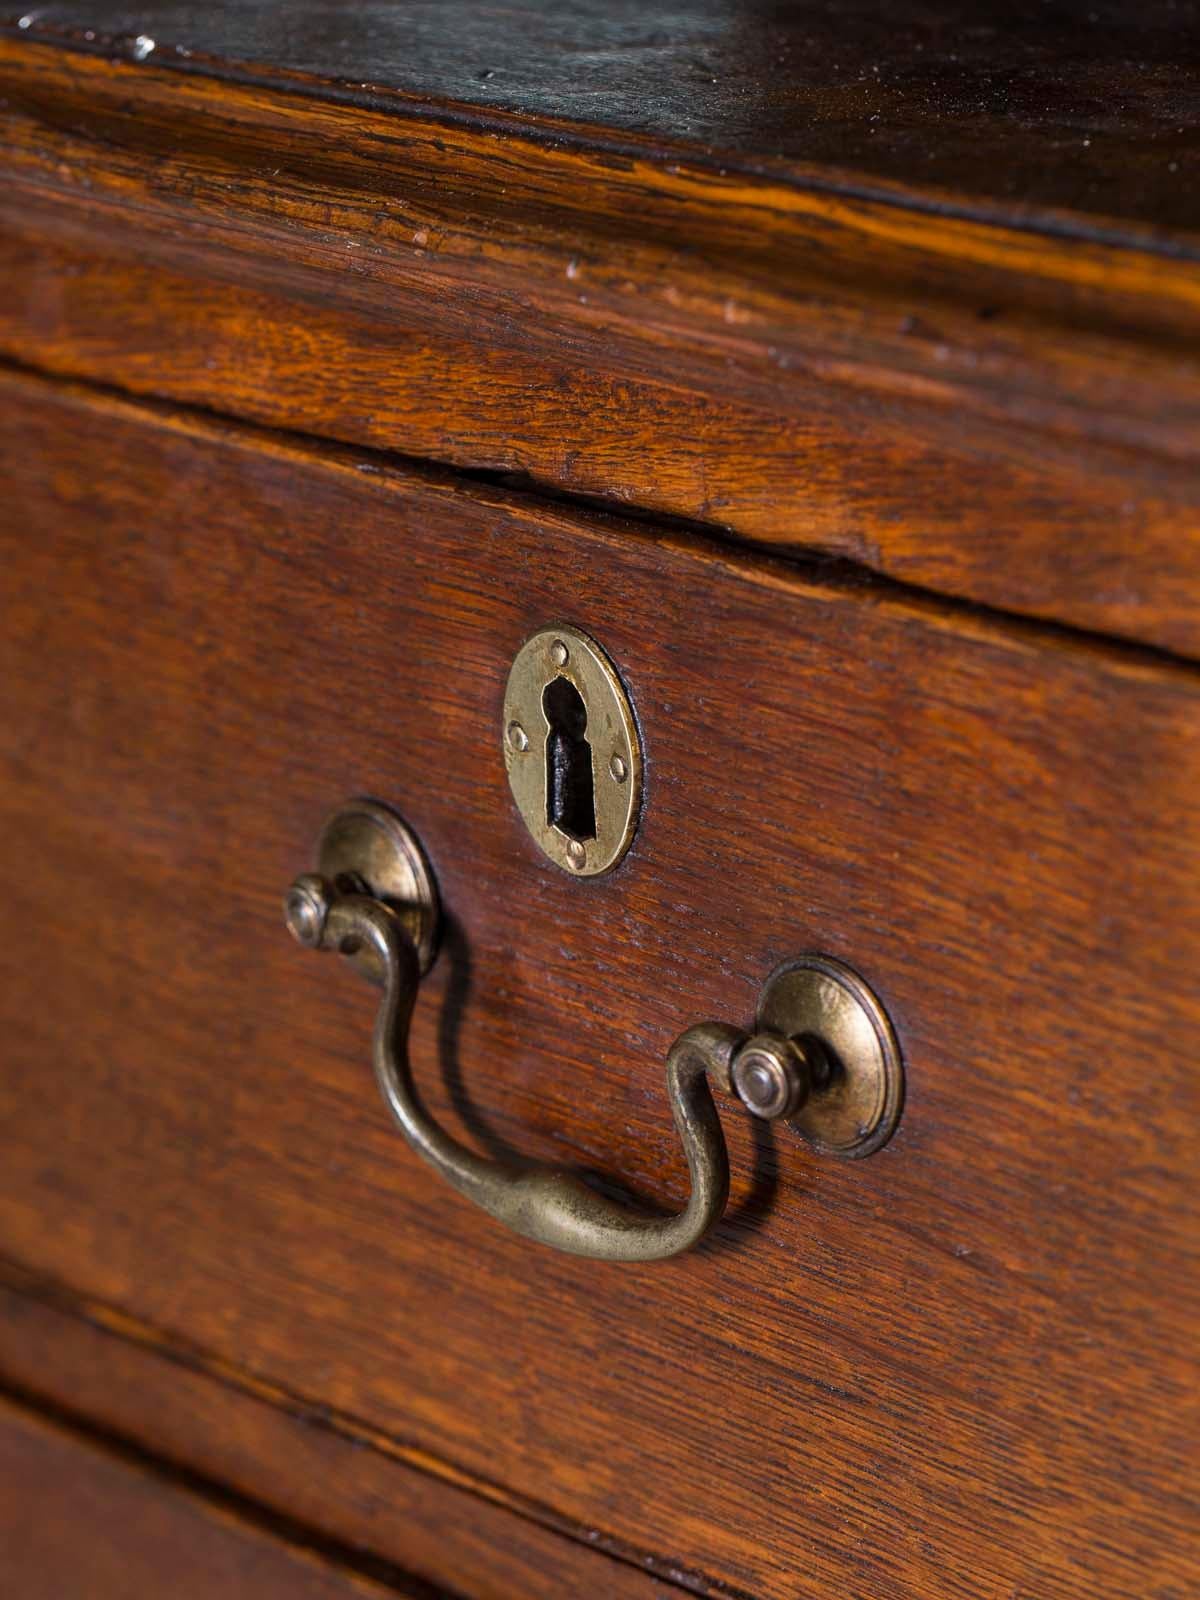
pixel 618 769
pixel 559 653
pixel 518 739
pixel 576 854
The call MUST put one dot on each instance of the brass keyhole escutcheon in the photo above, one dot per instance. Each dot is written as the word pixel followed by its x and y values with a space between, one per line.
pixel 572 751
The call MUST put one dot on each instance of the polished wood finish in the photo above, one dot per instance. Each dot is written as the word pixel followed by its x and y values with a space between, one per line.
pixel 1085 105
pixel 985 403
pixel 963 1367
pixel 327 1473
pixel 76 1520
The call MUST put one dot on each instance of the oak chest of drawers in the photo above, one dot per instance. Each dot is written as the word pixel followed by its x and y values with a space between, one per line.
pixel 846 479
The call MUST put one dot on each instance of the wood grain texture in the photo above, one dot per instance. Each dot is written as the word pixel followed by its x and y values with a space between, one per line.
pixel 323 1471
pixel 963 1368
pixel 1002 415
pixel 76 1520
pixel 1084 105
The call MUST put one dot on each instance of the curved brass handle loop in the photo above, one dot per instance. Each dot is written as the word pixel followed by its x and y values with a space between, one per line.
pixel 775 1076
pixel 543 1203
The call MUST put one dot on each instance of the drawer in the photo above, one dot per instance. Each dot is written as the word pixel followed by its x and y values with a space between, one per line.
pixel 282 1463
pixel 959 1367
pixel 131 1534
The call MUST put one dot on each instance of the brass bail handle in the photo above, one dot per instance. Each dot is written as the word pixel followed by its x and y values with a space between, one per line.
pixel 822 1057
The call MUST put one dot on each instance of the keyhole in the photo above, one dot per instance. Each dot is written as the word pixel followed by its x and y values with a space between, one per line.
pixel 570 796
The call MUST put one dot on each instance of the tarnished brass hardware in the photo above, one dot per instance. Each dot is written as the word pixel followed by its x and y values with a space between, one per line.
pixel 374 901
pixel 572 751
pixel 816 999
pixel 365 848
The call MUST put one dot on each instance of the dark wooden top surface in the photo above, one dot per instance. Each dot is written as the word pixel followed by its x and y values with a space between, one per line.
pixel 1085 106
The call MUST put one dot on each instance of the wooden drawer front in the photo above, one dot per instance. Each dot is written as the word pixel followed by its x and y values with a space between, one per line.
pixel 959 1368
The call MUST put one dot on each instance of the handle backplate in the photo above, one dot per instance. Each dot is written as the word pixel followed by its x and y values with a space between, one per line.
pixel 365 848
pixel 817 997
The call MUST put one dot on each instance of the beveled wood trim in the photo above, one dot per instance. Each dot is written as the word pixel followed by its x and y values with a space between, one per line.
pixel 996 413
pixel 1010 160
